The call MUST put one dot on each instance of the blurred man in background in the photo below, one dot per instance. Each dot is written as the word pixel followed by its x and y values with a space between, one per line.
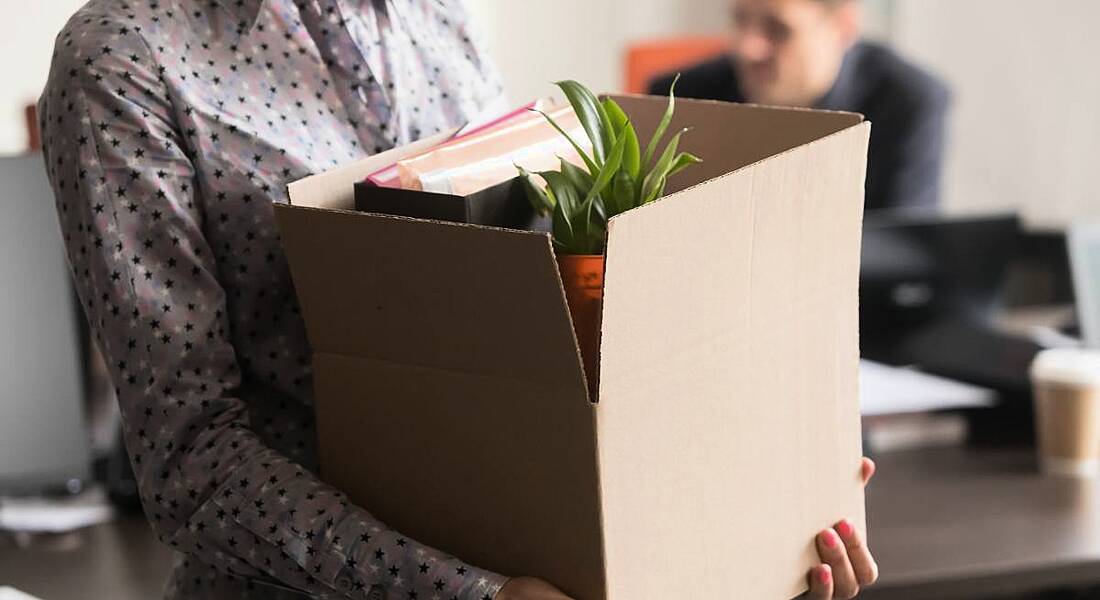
pixel 808 53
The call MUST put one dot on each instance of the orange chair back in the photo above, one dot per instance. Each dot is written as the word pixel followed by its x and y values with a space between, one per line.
pixel 650 59
pixel 30 115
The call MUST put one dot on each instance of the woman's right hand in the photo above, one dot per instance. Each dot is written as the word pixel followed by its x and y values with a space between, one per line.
pixel 529 588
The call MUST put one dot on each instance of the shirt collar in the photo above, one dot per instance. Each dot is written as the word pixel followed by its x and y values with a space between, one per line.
pixel 246 11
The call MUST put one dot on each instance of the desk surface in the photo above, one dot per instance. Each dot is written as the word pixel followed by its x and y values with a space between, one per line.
pixel 945 524
pixel 121 560
pixel 955 523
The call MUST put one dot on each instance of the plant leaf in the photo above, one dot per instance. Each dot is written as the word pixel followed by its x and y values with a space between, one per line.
pixel 660 170
pixel 597 236
pixel 589 229
pixel 599 207
pixel 618 177
pixel 581 180
pixel 585 217
pixel 615 114
pixel 651 148
pixel 622 193
pixel 562 230
pixel 564 211
pixel 593 117
pixel 658 191
pixel 562 189
pixel 632 154
pixel 616 118
pixel 592 168
pixel 614 161
pixel 683 161
pixel 540 200
pixel 576 213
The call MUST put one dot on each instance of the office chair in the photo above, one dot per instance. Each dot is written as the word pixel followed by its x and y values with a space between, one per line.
pixel 646 60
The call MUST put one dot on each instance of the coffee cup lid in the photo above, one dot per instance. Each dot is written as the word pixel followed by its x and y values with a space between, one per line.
pixel 1073 366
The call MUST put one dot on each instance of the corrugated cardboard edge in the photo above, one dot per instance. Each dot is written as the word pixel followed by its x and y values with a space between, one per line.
pixel 801 109
pixel 674 195
pixel 859 134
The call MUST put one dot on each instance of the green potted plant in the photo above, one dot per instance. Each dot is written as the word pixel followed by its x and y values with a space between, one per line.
pixel 618 177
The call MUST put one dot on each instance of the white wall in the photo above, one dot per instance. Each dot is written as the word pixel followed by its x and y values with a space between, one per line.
pixel 27 32
pixel 536 42
pixel 1026 127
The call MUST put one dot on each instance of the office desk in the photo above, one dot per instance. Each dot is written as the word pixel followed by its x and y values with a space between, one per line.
pixel 945 525
pixel 955 523
pixel 121 560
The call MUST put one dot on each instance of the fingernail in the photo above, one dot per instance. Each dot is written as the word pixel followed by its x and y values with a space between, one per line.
pixel 825 576
pixel 845 528
pixel 829 539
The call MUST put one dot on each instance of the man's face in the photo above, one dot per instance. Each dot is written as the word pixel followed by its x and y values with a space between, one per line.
pixel 788 52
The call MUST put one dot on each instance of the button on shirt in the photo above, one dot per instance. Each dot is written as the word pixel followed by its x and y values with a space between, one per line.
pixel 171 127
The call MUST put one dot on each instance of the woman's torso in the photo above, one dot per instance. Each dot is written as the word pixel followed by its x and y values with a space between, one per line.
pixel 267 92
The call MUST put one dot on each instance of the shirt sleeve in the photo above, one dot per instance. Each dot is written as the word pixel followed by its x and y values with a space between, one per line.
pixel 132 221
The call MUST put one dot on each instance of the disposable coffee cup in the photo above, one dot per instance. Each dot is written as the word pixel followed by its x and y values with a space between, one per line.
pixel 1066 384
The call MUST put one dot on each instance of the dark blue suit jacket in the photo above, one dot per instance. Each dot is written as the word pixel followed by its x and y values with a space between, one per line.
pixel 907 108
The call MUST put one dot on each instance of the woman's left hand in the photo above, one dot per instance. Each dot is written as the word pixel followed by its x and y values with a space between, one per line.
pixel 847 563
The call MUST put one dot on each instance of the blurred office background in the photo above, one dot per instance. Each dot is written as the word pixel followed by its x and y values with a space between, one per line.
pixel 1024 125
pixel 1024 131
pixel 959 509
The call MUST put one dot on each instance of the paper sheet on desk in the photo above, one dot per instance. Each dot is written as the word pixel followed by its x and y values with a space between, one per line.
pixel 46 515
pixel 9 593
pixel 886 390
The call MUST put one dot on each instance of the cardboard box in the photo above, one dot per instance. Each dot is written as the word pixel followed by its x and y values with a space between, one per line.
pixel 450 397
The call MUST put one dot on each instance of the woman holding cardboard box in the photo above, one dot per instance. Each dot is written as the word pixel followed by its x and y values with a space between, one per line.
pixel 170 128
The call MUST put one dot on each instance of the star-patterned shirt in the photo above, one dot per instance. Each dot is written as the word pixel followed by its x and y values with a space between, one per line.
pixel 171 127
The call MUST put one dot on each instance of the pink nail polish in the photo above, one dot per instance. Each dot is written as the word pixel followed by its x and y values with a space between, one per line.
pixel 829 539
pixel 825 577
pixel 845 529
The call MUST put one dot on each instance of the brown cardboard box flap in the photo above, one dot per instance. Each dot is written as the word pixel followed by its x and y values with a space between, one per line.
pixel 733 303
pixel 438 295
pixel 729 136
pixel 500 472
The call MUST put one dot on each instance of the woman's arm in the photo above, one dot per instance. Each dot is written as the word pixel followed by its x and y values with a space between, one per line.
pixel 132 221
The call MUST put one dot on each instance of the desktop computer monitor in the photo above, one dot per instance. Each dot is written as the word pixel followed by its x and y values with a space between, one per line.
pixel 922 271
pixel 43 437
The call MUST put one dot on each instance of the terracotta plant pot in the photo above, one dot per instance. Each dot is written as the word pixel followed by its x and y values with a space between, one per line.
pixel 582 276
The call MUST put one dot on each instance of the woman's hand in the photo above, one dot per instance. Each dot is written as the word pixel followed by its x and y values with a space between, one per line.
pixel 848 564
pixel 528 588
